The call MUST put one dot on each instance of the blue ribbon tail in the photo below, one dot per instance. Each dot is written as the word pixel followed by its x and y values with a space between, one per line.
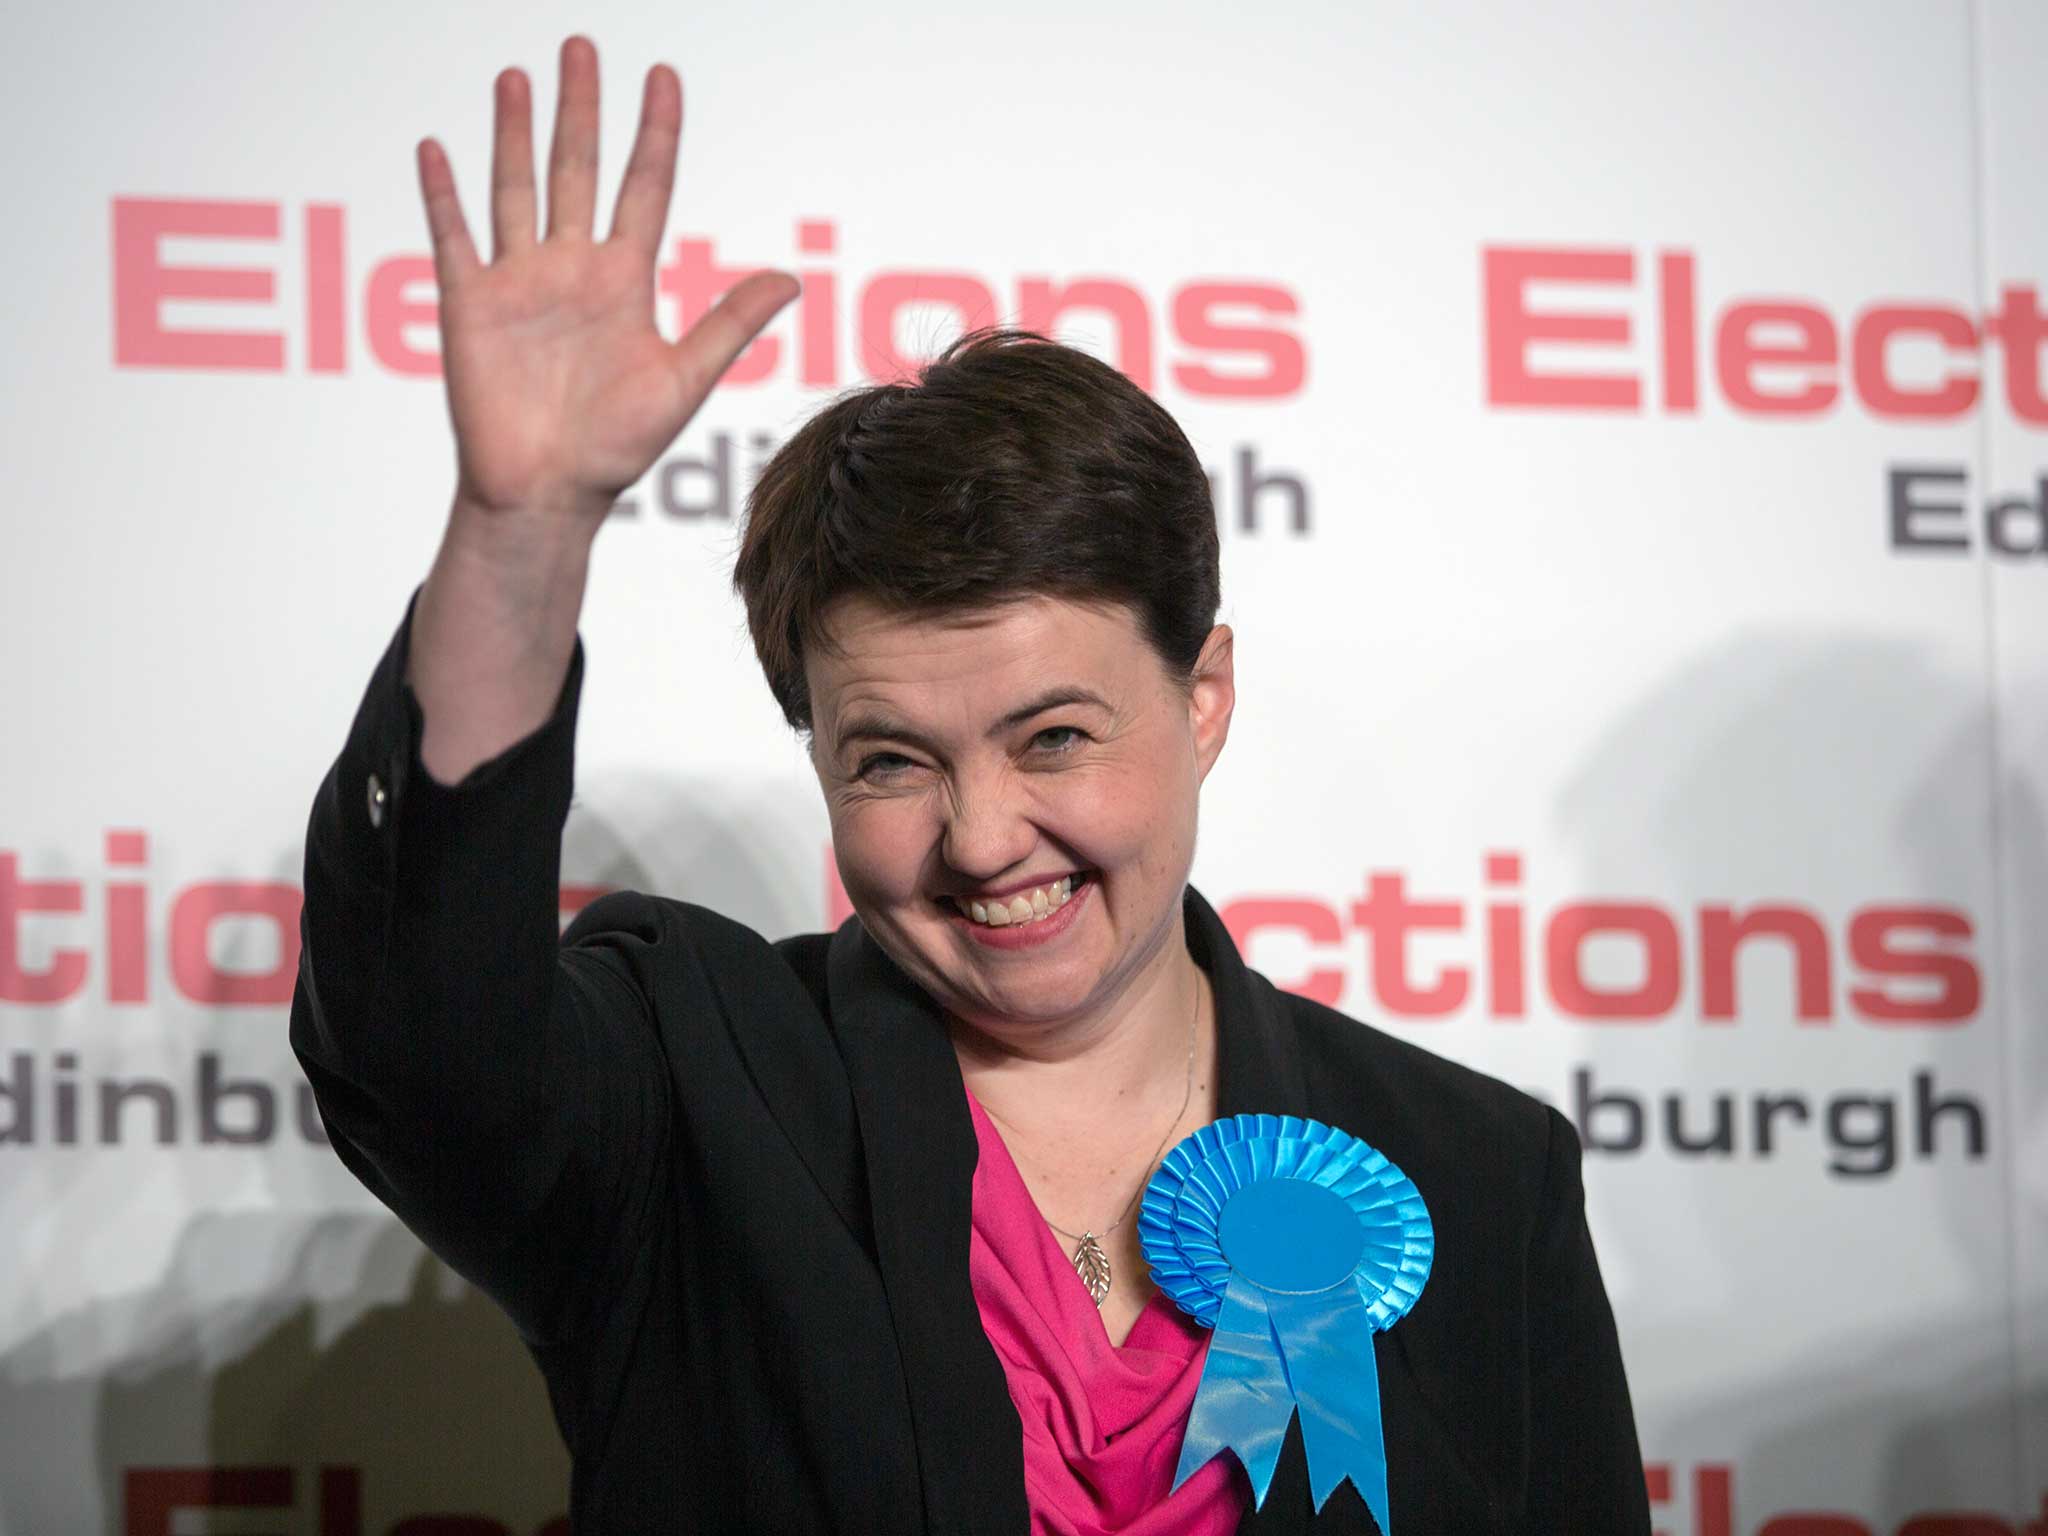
pixel 1337 1387
pixel 1244 1400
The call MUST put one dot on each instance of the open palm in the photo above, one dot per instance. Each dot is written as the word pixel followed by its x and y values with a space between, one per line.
pixel 561 389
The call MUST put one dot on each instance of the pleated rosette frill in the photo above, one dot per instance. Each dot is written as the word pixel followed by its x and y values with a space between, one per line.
pixel 1295 1242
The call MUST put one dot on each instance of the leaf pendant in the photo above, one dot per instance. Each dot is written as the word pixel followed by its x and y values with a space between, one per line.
pixel 1092 1265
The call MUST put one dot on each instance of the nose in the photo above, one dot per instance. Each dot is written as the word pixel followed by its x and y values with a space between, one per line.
pixel 987 829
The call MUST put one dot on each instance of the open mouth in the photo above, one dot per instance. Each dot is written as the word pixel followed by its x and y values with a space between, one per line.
pixel 1020 908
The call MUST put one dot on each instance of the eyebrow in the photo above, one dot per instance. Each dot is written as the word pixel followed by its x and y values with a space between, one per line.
pixel 875 724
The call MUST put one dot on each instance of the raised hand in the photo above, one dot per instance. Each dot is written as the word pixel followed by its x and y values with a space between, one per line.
pixel 562 393
pixel 561 390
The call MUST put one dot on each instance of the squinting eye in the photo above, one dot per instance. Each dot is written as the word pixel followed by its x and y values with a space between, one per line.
pixel 1072 734
pixel 882 765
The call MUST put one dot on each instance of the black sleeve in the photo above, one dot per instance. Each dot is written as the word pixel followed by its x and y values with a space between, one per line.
pixel 503 1091
pixel 1586 1468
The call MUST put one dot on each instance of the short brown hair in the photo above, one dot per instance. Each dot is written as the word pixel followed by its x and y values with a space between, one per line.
pixel 1014 466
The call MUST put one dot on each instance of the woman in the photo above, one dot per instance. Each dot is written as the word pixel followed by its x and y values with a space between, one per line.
pixel 838 1233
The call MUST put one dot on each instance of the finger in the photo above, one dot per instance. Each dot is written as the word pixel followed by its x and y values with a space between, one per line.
pixel 454 253
pixel 713 342
pixel 572 162
pixel 642 211
pixel 512 192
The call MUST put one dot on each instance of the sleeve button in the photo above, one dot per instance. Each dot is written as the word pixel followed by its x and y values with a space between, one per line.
pixel 377 801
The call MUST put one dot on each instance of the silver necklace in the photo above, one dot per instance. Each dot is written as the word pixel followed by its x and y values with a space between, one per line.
pixel 1090 1262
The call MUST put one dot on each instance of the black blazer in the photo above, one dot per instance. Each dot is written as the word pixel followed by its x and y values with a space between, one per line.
pixel 722 1185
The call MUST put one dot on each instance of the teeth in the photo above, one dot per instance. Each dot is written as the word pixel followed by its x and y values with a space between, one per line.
pixel 1029 907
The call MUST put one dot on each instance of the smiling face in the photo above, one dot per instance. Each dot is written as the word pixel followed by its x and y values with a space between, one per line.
pixel 979 758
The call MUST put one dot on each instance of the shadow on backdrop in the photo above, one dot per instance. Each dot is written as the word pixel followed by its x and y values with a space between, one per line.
pixel 332 1346
pixel 1737 781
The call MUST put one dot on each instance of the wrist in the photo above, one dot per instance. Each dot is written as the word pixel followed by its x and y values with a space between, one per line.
pixel 530 567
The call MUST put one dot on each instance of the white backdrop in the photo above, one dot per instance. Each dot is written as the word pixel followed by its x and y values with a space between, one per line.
pixel 1582 673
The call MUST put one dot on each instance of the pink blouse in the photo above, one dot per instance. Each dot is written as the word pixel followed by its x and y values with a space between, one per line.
pixel 1102 1423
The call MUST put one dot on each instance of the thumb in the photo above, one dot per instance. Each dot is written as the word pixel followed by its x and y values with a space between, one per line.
pixel 736 319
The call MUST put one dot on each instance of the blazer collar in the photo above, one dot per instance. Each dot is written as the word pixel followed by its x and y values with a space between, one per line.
pixel 919 1147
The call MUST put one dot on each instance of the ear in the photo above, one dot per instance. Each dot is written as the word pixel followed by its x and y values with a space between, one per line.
pixel 1212 695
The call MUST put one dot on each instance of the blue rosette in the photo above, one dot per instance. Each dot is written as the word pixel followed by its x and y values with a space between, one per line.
pixel 1296 1242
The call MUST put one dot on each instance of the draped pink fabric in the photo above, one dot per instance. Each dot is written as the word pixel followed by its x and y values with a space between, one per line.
pixel 1102 1424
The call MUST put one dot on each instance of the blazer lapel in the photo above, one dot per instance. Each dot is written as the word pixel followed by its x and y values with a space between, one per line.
pixel 1258 1068
pixel 920 1153
pixel 1258 1072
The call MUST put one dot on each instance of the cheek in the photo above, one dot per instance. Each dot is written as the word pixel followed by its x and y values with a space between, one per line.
pixel 881 847
pixel 1129 816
